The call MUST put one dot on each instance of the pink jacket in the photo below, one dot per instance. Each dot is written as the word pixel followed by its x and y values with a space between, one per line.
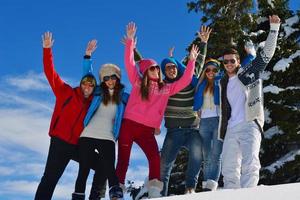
pixel 150 112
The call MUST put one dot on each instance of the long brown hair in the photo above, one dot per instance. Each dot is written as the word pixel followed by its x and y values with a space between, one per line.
pixel 145 85
pixel 116 97
pixel 210 83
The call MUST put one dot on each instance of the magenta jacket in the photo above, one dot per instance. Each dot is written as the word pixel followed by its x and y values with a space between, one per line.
pixel 150 112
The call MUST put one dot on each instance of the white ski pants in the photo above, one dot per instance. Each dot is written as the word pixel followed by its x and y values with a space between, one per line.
pixel 240 156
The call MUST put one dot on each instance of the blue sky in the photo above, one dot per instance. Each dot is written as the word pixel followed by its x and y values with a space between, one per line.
pixel 26 101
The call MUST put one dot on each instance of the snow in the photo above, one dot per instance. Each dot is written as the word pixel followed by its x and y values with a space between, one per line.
pixel 257 33
pixel 291 21
pixel 273 89
pixel 287 26
pixel 267 116
pixel 293 88
pixel 280 162
pixel 272 131
pixel 261 20
pixel 284 63
pixel 289 30
pixel 265 75
pixel 270 2
pixel 276 90
pixel 276 192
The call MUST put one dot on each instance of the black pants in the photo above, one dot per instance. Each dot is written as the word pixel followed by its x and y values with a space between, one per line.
pixel 105 164
pixel 59 155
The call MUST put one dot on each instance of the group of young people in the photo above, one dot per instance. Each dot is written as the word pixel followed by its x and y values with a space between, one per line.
pixel 217 117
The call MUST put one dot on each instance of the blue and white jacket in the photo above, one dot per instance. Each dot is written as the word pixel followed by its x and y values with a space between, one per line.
pixel 198 97
pixel 96 102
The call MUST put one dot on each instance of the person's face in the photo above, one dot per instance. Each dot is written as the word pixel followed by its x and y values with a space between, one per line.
pixel 110 81
pixel 210 72
pixel 231 63
pixel 171 70
pixel 153 72
pixel 87 88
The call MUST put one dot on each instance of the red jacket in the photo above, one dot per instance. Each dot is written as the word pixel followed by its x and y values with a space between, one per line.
pixel 70 106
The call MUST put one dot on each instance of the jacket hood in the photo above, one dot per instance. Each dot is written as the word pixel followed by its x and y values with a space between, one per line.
pixel 180 68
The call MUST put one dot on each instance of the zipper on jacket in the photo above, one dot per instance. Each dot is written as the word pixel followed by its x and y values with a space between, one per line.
pixel 55 123
pixel 67 101
pixel 72 130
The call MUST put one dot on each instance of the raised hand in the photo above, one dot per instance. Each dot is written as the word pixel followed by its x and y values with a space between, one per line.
pixel 47 40
pixel 204 33
pixel 171 50
pixel 131 30
pixel 123 41
pixel 194 52
pixel 274 19
pixel 91 47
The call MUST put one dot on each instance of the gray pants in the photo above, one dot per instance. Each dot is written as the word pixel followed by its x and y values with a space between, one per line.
pixel 240 156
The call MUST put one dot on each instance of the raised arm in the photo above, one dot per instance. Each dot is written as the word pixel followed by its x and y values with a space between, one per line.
pixel 270 45
pixel 264 56
pixel 204 36
pixel 56 83
pixel 188 73
pixel 129 53
pixel 87 62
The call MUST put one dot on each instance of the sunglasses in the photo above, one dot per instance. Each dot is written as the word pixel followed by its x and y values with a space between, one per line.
pixel 87 84
pixel 232 61
pixel 171 66
pixel 215 70
pixel 112 77
pixel 152 68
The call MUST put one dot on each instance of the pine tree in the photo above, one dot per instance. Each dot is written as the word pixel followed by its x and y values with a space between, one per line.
pixel 233 23
pixel 228 19
pixel 280 151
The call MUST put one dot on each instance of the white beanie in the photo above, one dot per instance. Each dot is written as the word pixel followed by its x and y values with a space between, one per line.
pixel 108 70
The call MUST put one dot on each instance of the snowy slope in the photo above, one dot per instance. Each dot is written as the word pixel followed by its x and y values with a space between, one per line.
pixel 276 192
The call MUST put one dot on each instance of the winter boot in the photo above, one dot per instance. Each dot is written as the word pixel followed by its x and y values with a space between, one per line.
pixel 189 191
pixel 154 187
pixel 78 196
pixel 209 185
pixel 116 193
pixel 123 187
pixel 95 194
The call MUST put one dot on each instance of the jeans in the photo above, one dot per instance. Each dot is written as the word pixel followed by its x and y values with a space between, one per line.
pixel 175 139
pixel 240 156
pixel 212 148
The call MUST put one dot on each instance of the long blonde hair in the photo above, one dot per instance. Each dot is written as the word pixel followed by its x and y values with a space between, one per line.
pixel 210 83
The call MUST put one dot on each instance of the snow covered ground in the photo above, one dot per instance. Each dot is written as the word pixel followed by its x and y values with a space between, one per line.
pixel 276 192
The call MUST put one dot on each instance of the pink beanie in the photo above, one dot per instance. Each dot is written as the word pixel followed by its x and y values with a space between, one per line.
pixel 145 64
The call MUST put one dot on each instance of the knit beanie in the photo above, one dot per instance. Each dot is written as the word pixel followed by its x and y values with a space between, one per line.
pixel 108 70
pixel 180 66
pixel 145 64
pixel 89 78
pixel 212 62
